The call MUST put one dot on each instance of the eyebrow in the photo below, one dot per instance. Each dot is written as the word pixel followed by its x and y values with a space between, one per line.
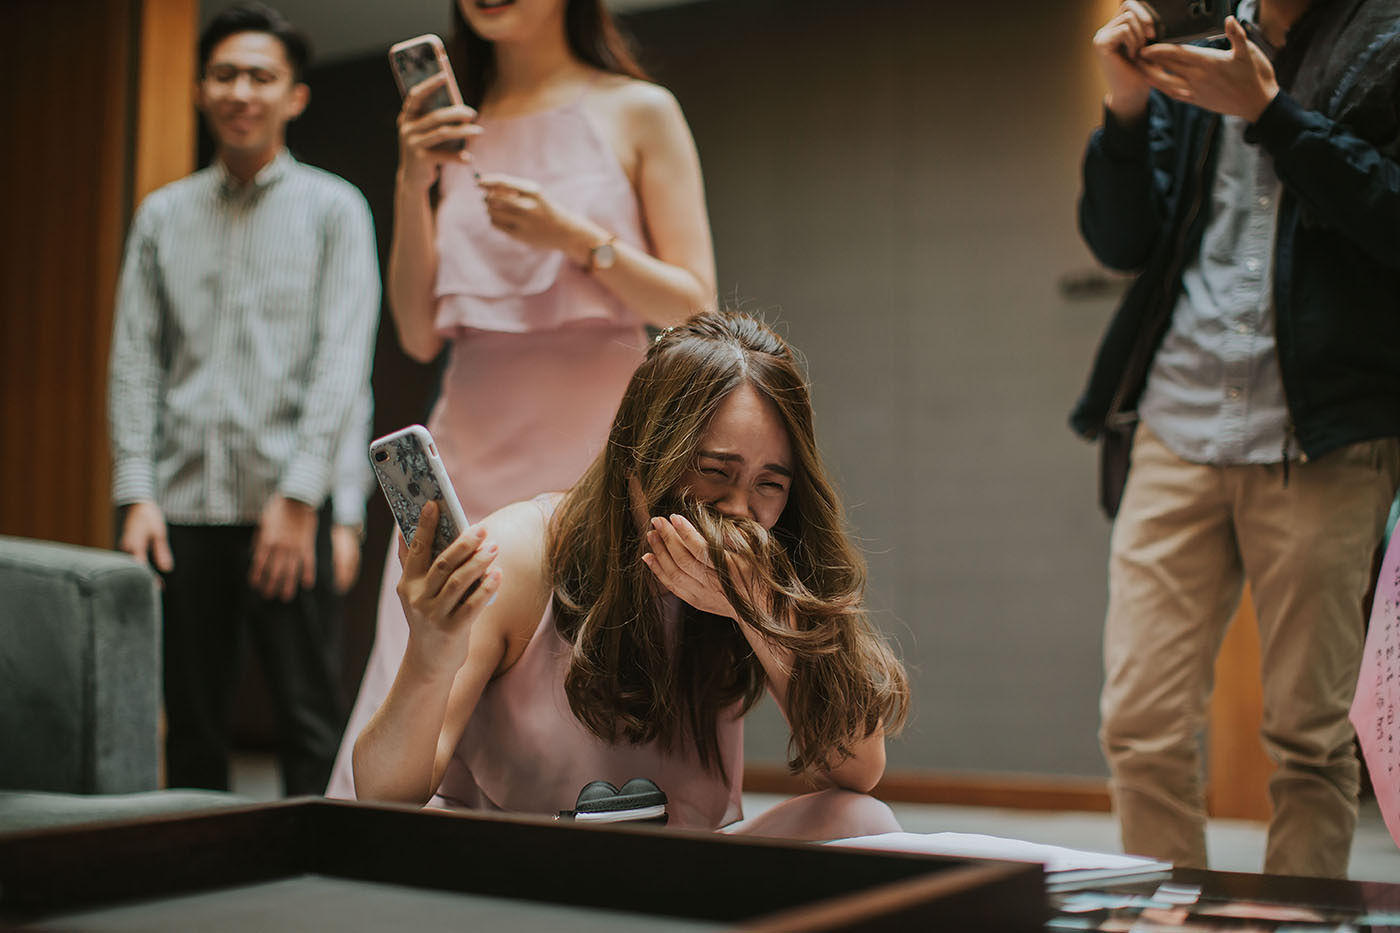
pixel 735 458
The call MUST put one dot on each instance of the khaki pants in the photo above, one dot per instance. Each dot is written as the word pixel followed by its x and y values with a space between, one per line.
pixel 1186 538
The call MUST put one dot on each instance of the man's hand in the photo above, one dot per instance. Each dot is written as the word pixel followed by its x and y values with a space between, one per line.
pixel 1118 44
pixel 345 556
pixel 284 549
pixel 1239 81
pixel 144 536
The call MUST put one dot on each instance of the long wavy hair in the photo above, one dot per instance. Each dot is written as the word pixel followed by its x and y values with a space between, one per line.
pixel 592 33
pixel 631 677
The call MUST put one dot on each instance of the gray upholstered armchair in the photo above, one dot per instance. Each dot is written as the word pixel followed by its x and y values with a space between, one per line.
pixel 80 688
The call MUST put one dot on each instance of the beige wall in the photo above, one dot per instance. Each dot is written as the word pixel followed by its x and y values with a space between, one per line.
pixel 896 181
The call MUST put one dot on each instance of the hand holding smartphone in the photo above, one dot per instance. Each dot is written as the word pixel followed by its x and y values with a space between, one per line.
pixel 416 60
pixel 410 473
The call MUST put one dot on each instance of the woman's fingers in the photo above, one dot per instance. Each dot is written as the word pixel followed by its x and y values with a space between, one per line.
pixel 689 556
pixel 481 597
pixel 495 182
pixel 420 552
pixel 467 576
pixel 443 116
pixel 452 557
pixel 417 97
pixel 443 593
pixel 691 539
pixel 510 205
pixel 663 561
pixel 427 141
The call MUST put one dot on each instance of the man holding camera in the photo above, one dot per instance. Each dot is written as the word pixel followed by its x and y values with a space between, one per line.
pixel 1252 183
pixel 244 328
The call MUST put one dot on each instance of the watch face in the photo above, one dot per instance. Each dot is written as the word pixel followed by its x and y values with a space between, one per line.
pixel 604 256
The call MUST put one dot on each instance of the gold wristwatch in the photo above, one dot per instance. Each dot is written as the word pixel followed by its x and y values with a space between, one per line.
pixel 602 255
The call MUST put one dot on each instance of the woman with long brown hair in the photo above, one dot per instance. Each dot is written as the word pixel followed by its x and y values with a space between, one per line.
pixel 623 629
pixel 536 232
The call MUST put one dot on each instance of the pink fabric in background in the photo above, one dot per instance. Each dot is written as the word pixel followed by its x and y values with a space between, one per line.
pixel 1376 710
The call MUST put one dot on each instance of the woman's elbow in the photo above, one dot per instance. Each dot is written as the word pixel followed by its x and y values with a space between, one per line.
pixel 421 352
pixel 863 770
pixel 371 785
pixel 421 348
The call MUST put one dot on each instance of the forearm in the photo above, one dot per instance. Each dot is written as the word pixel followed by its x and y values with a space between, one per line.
pixel 395 756
pixel 136 377
pixel 866 764
pixel 1347 184
pixel 354 478
pixel 863 770
pixel 338 371
pixel 412 270
pixel 662 294
pixel 776 663
pixel 1117 211
pixel 132 401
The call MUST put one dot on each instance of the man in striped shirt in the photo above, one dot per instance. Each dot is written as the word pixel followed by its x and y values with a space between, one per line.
pixel 245 322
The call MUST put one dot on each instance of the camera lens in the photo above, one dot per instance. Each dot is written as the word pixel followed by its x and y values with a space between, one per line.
pixel 381 455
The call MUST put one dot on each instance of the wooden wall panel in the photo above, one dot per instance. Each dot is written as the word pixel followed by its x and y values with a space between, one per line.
pixel 72 187
pixel 60 241
pixel 166 116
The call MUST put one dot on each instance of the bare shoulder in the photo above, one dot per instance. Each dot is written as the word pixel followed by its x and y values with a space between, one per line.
pixel 641 106
pixel 520 533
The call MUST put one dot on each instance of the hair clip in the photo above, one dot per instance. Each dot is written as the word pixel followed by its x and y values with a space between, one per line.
pixel 662 334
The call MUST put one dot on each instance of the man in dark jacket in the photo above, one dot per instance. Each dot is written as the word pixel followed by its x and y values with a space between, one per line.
pixel 1254 366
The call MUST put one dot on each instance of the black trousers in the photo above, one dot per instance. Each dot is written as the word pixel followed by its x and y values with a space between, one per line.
pixel 209 608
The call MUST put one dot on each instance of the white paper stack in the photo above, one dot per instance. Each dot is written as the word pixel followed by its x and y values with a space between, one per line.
pixel 1065 869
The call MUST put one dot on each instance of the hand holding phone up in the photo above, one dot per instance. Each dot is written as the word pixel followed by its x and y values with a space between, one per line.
pixel 434 123
pixel 443 595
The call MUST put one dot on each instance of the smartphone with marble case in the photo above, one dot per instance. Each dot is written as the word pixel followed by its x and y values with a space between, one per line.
pixel 411 474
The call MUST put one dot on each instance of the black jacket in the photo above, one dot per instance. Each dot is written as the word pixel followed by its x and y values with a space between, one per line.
pixel 1337 251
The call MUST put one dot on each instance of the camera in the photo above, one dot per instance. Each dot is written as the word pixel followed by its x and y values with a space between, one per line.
pixel 1188 20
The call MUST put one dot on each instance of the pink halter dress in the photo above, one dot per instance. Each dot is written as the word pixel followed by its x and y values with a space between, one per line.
pixel 540 352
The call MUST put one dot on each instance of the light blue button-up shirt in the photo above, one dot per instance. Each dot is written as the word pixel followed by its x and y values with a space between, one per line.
pixel 1214 393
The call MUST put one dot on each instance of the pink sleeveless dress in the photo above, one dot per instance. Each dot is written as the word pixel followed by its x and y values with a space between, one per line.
pixel 540 352
pixel 524 751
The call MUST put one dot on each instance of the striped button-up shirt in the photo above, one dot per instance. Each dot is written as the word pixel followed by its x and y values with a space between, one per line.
pixel 245 324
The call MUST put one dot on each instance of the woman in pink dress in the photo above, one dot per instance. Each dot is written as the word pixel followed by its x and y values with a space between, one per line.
pixel 534 236
pixel 622 629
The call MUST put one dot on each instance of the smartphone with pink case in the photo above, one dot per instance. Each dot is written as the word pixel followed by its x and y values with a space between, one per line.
pixel 414 61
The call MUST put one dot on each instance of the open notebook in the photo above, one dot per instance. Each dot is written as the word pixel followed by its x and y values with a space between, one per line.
pixel 1065 869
